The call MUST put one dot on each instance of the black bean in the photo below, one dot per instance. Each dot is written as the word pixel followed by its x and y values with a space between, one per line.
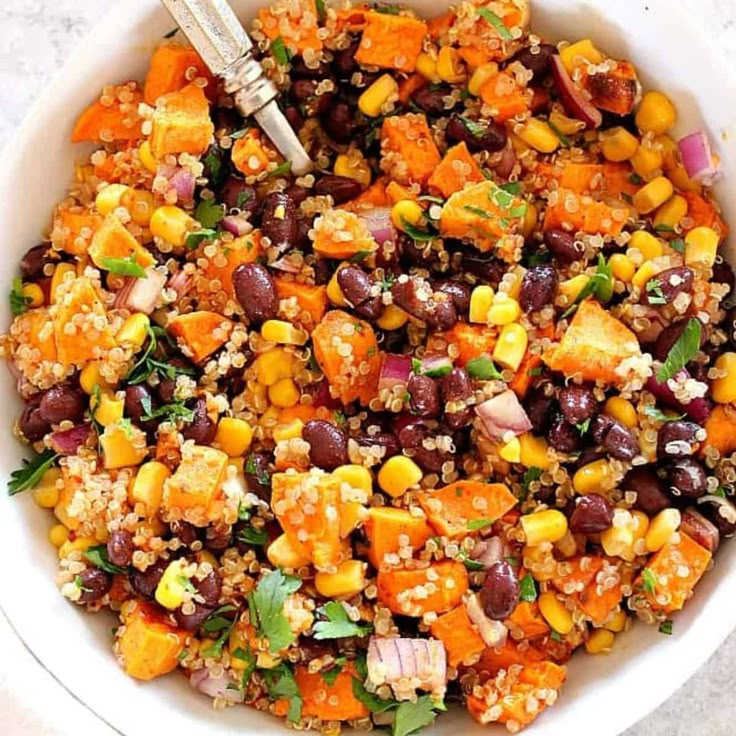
pixel 424 396
pixel 700 529
pixel 216 539
pixel 328 445
pixel 304 91
pixel 411 438
pixel 299 69
pixel 678 438
pixel 723 274
pixel 138 402
pixel 722 514
pixel 577 403
pixel 236 194
pixel 651 497
pixel 562 246
pixel 538 287
pixel 456 386
pixel 297 194
pixel 380 439
pixel 620 442
pixel 145 583
pixel 355 285
pixel 431 99
pixel 343 61
pixel 210 588
pixel 33 262
pixel 339 122
pixel 184 531
pixel 62 402
pixel 201 429
pixel 499 595
pixel 30 423
pixel 459 292
pixel 478 136
pixel 227 118
pixel 687 479
pixel 255 291
pixel 539 408
pixel 279 220
pixel 666 286
pixel 564 436
pixel 294 116
pixel 600 426
pixel 592 514
pixel 436 313
pixel 372 308
pixel 94 584
pixel 120 548
pixel 192 621
pixel 486 267
pixel 537 59
pixel 166 388
pixel 341 188
pixel 257 475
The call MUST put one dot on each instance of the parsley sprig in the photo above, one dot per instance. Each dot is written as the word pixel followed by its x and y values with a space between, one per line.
pixel 266 605
pixel 124 266
pixel 97 555
pixel 18 301
pixel 682 352
pixel 336 623
pixel 600 285
pixel 29 476
pixel 148 365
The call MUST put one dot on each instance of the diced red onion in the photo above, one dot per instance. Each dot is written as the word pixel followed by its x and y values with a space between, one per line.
pixel 378 221
pixel 216 687
pixel 184 182
pixel 698 159
pixel 501 415
pixel 488 551
pixel 395 371
pixel 436 366
pixel 391 660
pixel 323 397
pixel 702 530
pixel 141 295
pixel 180 282
pixel 493 633
pixel 237 225
pixel 573 98
pixel 697 409
pixel 68 441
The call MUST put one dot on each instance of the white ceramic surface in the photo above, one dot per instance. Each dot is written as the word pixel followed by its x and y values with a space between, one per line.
pixel 611 692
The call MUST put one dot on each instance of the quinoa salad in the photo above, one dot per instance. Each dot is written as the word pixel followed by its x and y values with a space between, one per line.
pixel 404 432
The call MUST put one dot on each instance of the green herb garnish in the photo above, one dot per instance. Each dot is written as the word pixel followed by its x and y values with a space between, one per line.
pixel 528 589
pixel 563 138
pixel 654 413
pixel 583 427
pixel 147 365
pixel 281 170
pixel 678 245
pixel 635 179
pixel 412 717
pixel 281 684
pixel 682 352
pixel 217 170
pixel 497 23
pixel 478 524
pixel 369 700
pixel 649 580
pixel 249 658
pixel 124 267
pixel 255 537
pixel 195 239
pixel 331 675
pixel 600 285
pixel 360 256
pixel 279 51
pixel 169 412
pixel 530 475
pixel 266 604
pixel 98 557
pixel 666 627
pixel 662 228
pixel 388 9
pixel 262 476
pixel 209 213
pixel 555 635
pixel 216 622
pixel 338 624
pixel 513 187
pixel 477 211
pixel 483 369
pixel 172 33
pixel 321 10
pixel 655 295
pixel 30 474
pixel 417 233
pixel 18 301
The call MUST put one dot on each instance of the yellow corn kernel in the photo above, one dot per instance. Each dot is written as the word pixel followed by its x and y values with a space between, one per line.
pixel 282 552
pixel 566 125
pixel 280 331
pixel 600 641
pixel 701 246
pixel 661 528
pixel 33 295
pixel 511 346
pixel 481 299
pixel 427 67
pixel 517 272
pixel 349 580
pixel 334 292
pixel 356 476
pixel 504 310
pixel 724 389
pixel 372 101
pixel 617 144
pixel 591 477
pixel 647 244
pixel 537 134
pixel 289 431
pixel 284 393
pixel 554 612
pixel 622 267
pixel 406 210
pixel 46 493
pixel 646 161
pixel 106 409
pixel 172 586
pixel 58 534
pixel 652 195
pixel 617 622
pixel 645 272
pixel 233 436
pixel 274 365
pixel 628 527
pixel 80 544
pixel 531 217
pixel 511 451
pixel 398 474
pixel 549 525
pixel 134 330
pixel 141 205
pixel 533 451
pixel 89 377
pixel 450 67
pixel 580 52
pixel 571 288
pixel 122 447
pixel 671 212
pixel 238 641
pixel 679 177
pixel 172 224
pixel 60 272
pixel 656 113
pixel 520 148
pixel 147 158
pixel 110 198
pixel 148 486
pixel 353 166
pixel 393 318
pixel 670 151
pixel 480 76
pixel 621 410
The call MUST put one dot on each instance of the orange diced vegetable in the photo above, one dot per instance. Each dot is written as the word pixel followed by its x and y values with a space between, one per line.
pixel 395 192
pixel 524 376
pixel 311 301
pixel 456 170
pixel 295 23
pixel 385 524
pixel 408 151
pixel 335 702
pixel 250 155
pixel 676 568
pixel 594 346
pixel 440 25
pixel 118 121
pixel 587 215
pixel 703 213
pixel 505 97
pixel 31 330
pixel 170 71
pixel 527 621
pixel 391 41
pixel 374 196
pixel 410 85
pixel 721 429
pixel 347 378
pixel 200 333
pixel 112 240
pixel 591 599
pixel 511 653
pixel 79 229
pixel 181 123
pixel 414 592
pixel 454 509
pixel 461 639
pixel 614 91
pixel 342 234
pixel 607 179
pixel 245 249
pixel 470 341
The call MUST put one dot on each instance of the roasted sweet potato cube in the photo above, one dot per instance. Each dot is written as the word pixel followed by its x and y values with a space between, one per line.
pixel 408 151
pixel 615 90
pixel 169 71
pixel 342 234
pixel 383 527
pixel 251 155
pixel 294 22
pixel 527 621
pixel 456 170
pixel 181 123
pixel 329 702
pixel 391 41
pixel 112 240
pixel 221 267
pixel 75 230
pixel 460 637
pixel 311 301
pixel 505 97
pixel 35 331
pixel 721 428
pixel 117 121
pixel 574 212
pixel 200 333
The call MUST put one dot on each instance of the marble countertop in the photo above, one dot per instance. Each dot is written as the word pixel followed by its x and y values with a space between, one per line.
pixel 36 36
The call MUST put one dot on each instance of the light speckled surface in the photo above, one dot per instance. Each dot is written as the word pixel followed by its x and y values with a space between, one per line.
pixel 35 38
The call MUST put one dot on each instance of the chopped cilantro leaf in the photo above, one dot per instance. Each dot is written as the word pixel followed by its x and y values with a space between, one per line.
pixel 18 301
pixel 266 604
pixel 649 580
pixel 30 474
pixel 337 623
pixel 483 369
pixel 528 589
pixel 496 22
pixel 682 352
pixel 209 213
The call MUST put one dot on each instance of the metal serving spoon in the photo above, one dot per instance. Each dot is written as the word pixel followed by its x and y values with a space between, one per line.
pixel 218 36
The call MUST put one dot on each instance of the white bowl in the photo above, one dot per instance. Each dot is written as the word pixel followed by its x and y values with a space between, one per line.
pixel 606 693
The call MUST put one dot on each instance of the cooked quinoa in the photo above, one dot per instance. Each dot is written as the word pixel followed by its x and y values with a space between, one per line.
pixel 410 429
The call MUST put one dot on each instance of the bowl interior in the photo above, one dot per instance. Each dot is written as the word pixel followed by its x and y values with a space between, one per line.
pixel 612 692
